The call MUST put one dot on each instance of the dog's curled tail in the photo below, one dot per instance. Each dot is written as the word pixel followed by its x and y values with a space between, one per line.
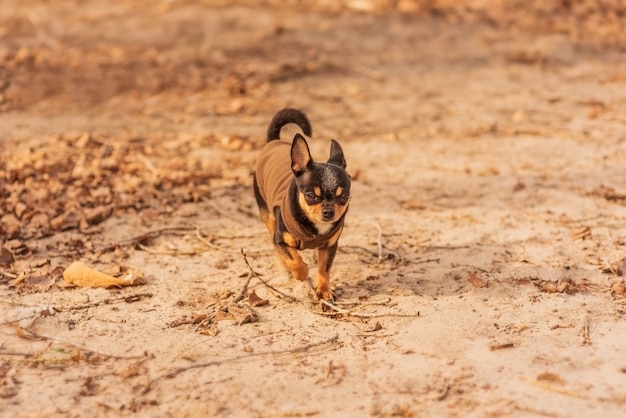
pixel 285 116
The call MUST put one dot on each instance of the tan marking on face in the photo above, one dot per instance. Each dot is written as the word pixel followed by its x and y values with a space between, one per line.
pixel 312 212
pixel 339 191
pixel 317 191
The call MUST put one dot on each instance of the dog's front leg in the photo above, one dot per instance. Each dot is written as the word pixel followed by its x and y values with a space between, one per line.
pixel 325 258
pixel 286 245
pixel 292 260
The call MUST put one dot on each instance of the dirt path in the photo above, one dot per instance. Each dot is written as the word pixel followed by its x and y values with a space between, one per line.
pixel 480 271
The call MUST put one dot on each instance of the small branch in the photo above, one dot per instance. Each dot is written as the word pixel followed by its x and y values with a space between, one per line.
pixel 127 298
pixel 585 332
pixel 294 350
pixel 257 276
pixel 360 304
pixel 351 312
pixel 139 239
pixel 553 388
pixel 28 334
pixel 9 275
pixel 380 243
pixel 336 309
pixel 148 164
pixel 204 240
pixel 300 349
pixel 444 394
pixel 251 274
pixel 173 253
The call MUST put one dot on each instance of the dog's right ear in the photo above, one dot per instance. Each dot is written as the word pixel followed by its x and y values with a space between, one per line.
pixel 300 155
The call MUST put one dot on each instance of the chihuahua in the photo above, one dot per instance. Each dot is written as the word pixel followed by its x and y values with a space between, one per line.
pixel 303 203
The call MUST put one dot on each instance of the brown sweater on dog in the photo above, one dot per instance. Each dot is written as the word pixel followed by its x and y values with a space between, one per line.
pixel 274 176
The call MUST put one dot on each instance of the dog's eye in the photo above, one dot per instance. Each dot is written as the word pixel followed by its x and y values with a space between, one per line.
pixel 343 198
pixel 310 196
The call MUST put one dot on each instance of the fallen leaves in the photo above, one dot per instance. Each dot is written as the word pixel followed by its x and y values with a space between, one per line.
pixel 562 285
pixel 240 314
pixel 81 275
pixel 610 194
pixel 477 281
pixel 6 257
pixel 62 182
pixel 550 378
pixel 255 300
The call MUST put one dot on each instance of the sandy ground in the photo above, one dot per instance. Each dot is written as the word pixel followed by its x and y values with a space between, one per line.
pixel 480 270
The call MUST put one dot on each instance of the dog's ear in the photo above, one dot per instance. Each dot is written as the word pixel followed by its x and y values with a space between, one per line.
pixel 336 155
pixel 300 155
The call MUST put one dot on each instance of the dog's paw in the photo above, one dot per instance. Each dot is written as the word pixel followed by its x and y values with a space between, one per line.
pixel 326 295
pixel 300 271
pixel 327 304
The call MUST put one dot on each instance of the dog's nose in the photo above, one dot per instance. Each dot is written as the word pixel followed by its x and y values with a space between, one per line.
pixel 328 213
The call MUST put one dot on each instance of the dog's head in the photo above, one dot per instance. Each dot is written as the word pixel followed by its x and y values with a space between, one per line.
pixel 323 188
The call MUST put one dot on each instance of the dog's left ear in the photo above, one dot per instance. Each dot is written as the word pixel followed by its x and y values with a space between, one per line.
pixel 336 155
pixel 300 155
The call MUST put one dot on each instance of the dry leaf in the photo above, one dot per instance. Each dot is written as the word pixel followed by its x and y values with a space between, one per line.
pixel 549 377
pixel 243 315
pixel 477 281
pixel 619 289
pixel 495 347
pixel 25 334
pixel 81 275
pixel 6 257
pixel 376 327
pixel 131 371
pixel 19 279
pixel 38 283
pixel 255 300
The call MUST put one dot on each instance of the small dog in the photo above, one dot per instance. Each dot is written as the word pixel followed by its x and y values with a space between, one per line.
pixel 302 202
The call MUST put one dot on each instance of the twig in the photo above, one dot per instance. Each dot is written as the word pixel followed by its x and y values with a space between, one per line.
pixel 351 312
pixel 251 271
pixel 251 274
pixel 363 304
pixel 148 164
pixel 134 241
pixel 495 347
pixel 33 335
pixel 172 253
pixel 285 296
pixel 350 249
pixel 380 243
pixel 444 394
pixel 179 370
pixel 9 275
pixel 8 353
pixel 553 388
pixel 299 349
pixel 257 276
pixel 128 298
pixel 337 310
pixel 585 332
pixel 204 240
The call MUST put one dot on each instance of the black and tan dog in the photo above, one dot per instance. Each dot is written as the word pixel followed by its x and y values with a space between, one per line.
pixel 302 202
